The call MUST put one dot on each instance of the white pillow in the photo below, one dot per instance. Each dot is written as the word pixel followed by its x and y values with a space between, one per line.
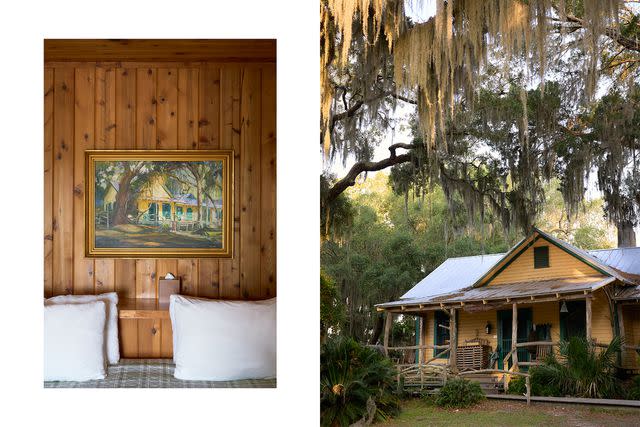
pixel 112 345
pixel 74 341
pixel 219 340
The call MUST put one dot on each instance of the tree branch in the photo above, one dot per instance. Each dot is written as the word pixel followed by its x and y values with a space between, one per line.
pixel 351 111
pixel 614 35
pixel 365 166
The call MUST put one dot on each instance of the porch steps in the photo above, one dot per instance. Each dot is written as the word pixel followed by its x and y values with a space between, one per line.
pixel 489 384
pixel 431 382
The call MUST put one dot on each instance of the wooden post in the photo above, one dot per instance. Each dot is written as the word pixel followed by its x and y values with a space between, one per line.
pixel 420 339
pixel 528 384
pixel 514 336
pixel 387 332
pixel 588 310
pixel 621 331
pixel 453 342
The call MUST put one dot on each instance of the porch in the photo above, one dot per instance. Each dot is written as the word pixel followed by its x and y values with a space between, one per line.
pixel 474 338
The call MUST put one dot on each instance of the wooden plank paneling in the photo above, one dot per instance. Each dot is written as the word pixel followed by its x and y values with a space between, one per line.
pixel 146 109
pixel 145 280
pixel 125 269
pixel 105 139
pixel 83 268
pixel 268 183
pixel 48 181
pixel 104 275
pixel 188 99
pixel 208 278
pixel 188 273
pixel 63 182
pixel 142 106
pixel 188 84
pixel 166 338
pixel 105 109
pixel 230 139
pixel 167 109
pixel 209 139
pixel 223 50
pixel 128 329
pixel 146 140
pixel 167 134
pixel 149 337
pixel 250 181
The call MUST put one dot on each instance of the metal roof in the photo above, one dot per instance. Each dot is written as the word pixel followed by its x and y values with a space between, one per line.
pixel 511 290
pixel 456 275
pixel 623 259
pixel 452 275
pixel 190 199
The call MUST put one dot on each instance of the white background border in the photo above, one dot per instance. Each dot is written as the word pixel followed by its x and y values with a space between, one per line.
pixel 295 25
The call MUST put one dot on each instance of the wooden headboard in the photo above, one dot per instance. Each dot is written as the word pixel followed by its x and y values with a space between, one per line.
pixel 225 100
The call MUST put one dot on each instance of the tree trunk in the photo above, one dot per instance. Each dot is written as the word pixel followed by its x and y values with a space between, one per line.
pixel 626 235
pixel 199 210
pixel 377 330
pixel 119 215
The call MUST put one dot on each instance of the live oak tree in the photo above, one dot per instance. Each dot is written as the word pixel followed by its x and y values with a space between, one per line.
pixel 373 57
pixel 129 175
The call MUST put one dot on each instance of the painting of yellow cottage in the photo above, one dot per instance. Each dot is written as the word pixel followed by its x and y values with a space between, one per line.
pixel 165 204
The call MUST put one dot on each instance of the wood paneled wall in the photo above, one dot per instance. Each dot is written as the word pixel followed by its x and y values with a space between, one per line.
pixel 164 105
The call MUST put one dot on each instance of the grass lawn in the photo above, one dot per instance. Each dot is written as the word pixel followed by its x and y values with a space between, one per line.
pixel 141 236
pixel 416 412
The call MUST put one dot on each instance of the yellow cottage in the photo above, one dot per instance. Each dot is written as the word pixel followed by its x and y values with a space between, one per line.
pixel 156 205
pixel 542 291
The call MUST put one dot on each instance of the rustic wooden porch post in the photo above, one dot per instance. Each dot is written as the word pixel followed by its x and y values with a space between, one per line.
pixel 453 342
pixel 514 336
pixel 621 331
pixel 588 311
pixel 387 330
pixel 420 339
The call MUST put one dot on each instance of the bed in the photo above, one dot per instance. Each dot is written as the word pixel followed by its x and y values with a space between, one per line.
pixel 154 373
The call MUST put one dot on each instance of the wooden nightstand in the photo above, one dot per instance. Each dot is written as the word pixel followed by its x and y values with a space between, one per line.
pixel 145 328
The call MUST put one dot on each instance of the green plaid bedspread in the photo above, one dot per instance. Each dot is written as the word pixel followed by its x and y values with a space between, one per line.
pixel 153 373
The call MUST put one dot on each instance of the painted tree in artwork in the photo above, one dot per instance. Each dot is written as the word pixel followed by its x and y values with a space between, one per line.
pixel 213 184
pixel 193 176
pixel 124 175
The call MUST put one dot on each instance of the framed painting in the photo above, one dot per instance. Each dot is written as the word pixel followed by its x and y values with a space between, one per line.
pixel 159 203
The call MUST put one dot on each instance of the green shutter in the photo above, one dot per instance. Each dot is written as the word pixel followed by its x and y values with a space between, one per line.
pixel 541 257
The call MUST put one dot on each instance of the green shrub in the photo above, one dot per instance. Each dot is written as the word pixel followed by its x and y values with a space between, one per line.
pixel 538 386
pixel 459 393
pixel 351 375
pixel 634 391
pixel 583 371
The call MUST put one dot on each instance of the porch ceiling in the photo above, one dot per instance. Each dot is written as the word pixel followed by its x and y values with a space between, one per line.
pixel 628 293
pixel 517 290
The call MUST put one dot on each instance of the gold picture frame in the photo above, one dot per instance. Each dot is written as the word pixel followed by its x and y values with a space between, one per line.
pixel 159 203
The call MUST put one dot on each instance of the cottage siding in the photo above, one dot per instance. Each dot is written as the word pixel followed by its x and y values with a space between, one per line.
pixel 601 319
pixel 631 319
pixel 561 264
pixel 471 326
pixel 428 330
